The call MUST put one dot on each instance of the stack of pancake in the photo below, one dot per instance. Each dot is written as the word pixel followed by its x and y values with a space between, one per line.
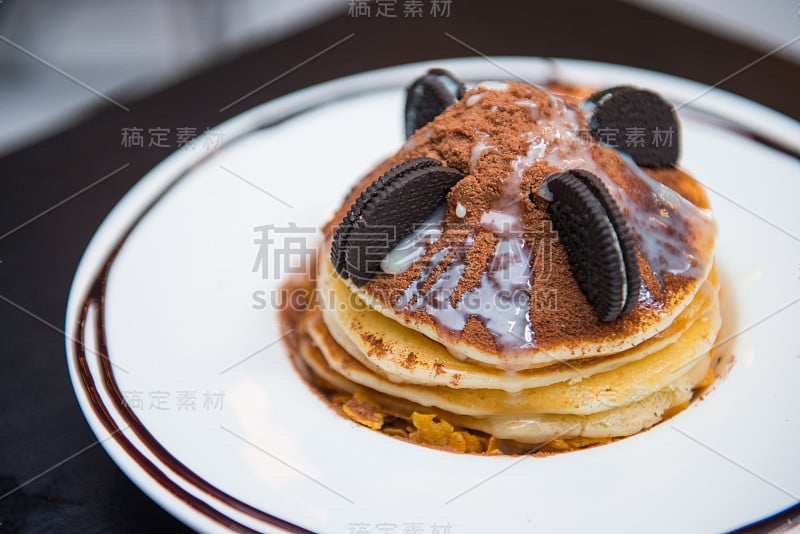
pixel 476 323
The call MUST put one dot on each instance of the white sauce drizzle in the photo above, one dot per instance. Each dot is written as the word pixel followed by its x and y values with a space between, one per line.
pixel 492 85
pixel 478 149
pixel 474 99
pixel 413 247
pixel 501 300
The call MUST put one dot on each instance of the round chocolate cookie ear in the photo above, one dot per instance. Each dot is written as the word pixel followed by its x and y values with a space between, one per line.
pixel 386 212
pixel 637 122
pixel 429 95
pixel 597 240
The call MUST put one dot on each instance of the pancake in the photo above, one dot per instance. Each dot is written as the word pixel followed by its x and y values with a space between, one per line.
pixel 617 422
pixel 391 349
pixel 537 428
pixel 507 142
pixel 464 326
pixel 624 385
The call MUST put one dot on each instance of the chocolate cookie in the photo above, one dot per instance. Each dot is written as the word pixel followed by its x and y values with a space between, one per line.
pixel 637 122
pixel 429 95
pixel 386 212
pixel 598 243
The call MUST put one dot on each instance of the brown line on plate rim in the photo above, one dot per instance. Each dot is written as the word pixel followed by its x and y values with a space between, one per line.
pixel 96 298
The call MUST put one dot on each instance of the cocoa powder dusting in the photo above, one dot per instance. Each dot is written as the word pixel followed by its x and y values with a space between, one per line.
pixel 559 313
pixel 477 261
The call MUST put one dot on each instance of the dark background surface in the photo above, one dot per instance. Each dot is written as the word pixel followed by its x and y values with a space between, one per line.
pixel 41 422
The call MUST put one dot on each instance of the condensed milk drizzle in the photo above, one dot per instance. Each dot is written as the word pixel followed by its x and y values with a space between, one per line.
pixel 668 231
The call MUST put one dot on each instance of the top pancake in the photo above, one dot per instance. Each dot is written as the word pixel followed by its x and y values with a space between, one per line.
pixel 495 286
pixel 392 350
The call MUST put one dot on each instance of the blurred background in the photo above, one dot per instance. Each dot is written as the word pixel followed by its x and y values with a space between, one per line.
pixel 128 49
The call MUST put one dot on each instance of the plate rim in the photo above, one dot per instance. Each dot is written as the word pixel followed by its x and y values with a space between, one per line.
pixel 158 179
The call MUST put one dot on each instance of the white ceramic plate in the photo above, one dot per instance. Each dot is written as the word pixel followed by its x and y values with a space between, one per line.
pixel 228 436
